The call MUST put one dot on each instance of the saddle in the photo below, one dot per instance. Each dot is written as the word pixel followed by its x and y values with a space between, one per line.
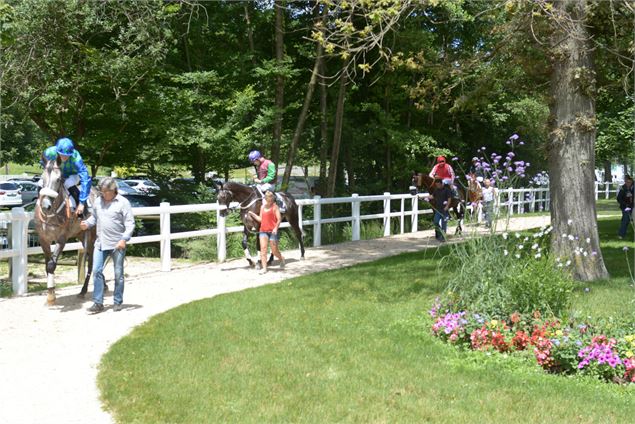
pixel 280 201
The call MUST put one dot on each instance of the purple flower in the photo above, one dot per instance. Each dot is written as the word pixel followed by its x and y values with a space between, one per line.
pixel 455 159
pixel 522 143
pixel 508 142
pixel 514 137
pixel 627 209
pixel 625 248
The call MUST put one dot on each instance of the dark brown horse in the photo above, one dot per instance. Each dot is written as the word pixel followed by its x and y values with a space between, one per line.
pixel 457 205
pixel 249 199
pixel 55 222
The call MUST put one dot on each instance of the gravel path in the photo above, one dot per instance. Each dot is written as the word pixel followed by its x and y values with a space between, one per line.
pixel 49 356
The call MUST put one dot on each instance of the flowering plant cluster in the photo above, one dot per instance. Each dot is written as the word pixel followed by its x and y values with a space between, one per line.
pixel 556 346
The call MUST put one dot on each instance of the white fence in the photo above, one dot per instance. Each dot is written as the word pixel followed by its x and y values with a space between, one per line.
pixel 17 223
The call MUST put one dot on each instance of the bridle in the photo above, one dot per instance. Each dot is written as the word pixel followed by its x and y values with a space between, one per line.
pixel 229 195
pixel 58 201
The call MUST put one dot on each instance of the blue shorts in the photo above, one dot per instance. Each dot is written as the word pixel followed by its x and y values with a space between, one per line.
pixel 271 236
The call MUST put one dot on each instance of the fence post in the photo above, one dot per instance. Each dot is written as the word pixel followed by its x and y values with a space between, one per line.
pixel 356 220
pixel 166 255
pixel 597 189
pixel 606 190
pixel 415 214
pixel 401 217
pixel 521 201
pixel 386 214
pixel 317 227
pixel 19 233
pixel 510 201
pixel 221 238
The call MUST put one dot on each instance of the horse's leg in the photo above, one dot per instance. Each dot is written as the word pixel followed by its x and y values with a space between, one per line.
pixel 459 218
pixel 89 248
pixel 292 217
pixel 246 248
pixel 51 264
pixel 50 282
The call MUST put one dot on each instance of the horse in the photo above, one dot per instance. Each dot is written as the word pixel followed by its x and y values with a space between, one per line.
pixel 457 205
pixel 55 222
pixel 474 194
pixel 249 199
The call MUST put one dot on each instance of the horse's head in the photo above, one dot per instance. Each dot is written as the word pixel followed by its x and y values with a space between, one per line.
pixel 51 185
pixel 224 198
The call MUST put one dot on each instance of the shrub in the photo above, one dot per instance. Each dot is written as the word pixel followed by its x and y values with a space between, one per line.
pixel 497 276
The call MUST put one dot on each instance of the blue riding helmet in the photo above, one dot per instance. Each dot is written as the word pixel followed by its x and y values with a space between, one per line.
pixel 253 155
pixel 65 146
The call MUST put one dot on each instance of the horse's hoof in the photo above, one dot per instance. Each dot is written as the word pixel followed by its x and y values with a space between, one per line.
pixel 50 298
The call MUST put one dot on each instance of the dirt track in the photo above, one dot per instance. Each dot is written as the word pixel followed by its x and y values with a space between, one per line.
pixel 49 356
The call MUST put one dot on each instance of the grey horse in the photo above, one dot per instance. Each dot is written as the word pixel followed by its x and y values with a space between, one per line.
pixel 54 222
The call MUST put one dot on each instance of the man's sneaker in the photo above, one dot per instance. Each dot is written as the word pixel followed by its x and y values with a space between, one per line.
pixel 96 308
pixel 117 308
pixel 282 263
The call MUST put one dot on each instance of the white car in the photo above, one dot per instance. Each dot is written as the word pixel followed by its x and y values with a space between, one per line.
pixel 10 194
pixel 144 186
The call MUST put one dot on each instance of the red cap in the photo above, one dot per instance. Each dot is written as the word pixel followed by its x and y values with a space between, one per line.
pixel 440 159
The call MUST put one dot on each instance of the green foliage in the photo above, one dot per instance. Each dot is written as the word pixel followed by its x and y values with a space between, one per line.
pixel 497 277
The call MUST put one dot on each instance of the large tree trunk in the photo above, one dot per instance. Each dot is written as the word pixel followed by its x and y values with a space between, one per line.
pixel 250 33
pixel 572 142
pixel 305 110
pixel 279 102
pixel 337 134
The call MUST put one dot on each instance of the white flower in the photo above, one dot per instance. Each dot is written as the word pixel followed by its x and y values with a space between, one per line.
pixel 585 254
pixel 526 238
pixel 569 222
pixel 520 247
pixel 505 236
pixel 537 255
pixel 559 265
pixel 568 263
pixel 517 235
pixel 571 237
pixel 534 246
pixel 558 260
pixel 517 256
pixel 505 252
pixel 564 235
pixel 588 240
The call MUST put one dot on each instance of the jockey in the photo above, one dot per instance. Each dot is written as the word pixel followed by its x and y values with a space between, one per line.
pixel 445 172
pixel 73 170
pixel 266 177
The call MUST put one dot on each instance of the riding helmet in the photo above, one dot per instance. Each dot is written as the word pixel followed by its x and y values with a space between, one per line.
pixel 65 146
pixel 253 155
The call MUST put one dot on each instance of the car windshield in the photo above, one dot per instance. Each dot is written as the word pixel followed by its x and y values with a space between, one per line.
pixel 8 186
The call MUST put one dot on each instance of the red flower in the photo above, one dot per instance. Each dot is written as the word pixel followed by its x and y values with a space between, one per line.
pixel 520 340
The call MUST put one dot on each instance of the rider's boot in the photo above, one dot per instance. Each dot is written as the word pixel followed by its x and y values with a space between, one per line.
pixel 74 192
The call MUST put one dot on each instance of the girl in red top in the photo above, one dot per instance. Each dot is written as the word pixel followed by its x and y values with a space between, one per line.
pixel 270 220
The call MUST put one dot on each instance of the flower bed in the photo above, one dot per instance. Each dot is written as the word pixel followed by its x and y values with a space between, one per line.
pixel 558 347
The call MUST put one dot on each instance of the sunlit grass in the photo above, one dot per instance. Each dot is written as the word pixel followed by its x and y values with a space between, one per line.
pixel 344 346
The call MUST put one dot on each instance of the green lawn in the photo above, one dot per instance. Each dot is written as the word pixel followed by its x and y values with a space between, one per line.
pixel 346 346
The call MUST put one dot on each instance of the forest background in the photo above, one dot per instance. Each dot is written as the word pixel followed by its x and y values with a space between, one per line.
pixel 366 90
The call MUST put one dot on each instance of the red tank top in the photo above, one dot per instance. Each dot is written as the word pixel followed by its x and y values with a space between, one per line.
pixel 269 220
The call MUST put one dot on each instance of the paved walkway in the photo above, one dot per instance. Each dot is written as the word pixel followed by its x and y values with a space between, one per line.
pixel 49 356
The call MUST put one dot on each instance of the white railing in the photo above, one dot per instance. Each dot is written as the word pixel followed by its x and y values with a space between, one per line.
pixel 605 189
pixel 515 200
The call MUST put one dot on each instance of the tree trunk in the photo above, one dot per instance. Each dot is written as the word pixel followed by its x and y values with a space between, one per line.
pixel 305 111
pixel 572 142
pixel 337 133
pixel 250 33
pixel 324 147
pixel 279 102
pixel 608 175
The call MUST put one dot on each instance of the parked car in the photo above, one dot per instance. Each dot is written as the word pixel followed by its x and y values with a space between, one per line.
pixel 29 190
pixel 10 194
pixel 122 187
pixel 143 185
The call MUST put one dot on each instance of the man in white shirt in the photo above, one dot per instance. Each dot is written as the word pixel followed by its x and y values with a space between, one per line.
pixel 489 197
pixel 112 214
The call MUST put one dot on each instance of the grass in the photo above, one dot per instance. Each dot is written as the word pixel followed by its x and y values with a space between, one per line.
pixel 345 346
